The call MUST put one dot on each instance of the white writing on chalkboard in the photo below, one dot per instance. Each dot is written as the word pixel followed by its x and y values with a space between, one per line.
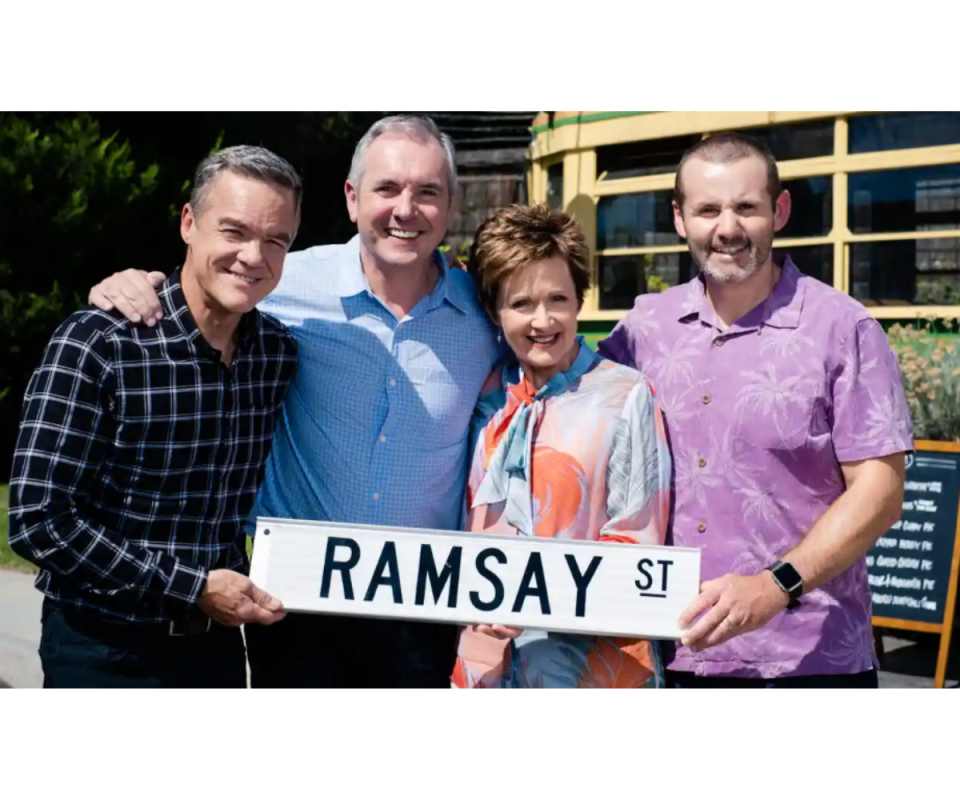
pixel 906 602
pixel 923 506
pixel 935 487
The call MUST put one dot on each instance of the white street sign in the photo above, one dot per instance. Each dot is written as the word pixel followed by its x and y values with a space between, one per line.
pixel 409 573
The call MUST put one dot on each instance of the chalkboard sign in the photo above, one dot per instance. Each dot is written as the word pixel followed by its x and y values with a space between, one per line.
pixel 912 568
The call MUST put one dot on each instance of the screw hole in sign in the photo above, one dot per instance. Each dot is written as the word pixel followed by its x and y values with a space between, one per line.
pixel 266 531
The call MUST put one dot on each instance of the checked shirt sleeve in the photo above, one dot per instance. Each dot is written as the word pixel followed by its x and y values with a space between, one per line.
pixel 65 439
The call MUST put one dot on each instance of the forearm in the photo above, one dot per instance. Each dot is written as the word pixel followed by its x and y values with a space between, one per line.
pixel 849 528
pixel 57 538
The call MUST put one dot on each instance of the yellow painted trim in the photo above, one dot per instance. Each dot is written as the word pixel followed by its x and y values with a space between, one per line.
pixel 899 237
pixel 642 251
pixel 645 183
pixel 877 312
pixel 663 124
pixel 901 159
pixel 913 312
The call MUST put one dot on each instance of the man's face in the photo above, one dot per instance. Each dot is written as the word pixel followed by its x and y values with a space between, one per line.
pixel 402 204
pixel 728 217
pixel 238 239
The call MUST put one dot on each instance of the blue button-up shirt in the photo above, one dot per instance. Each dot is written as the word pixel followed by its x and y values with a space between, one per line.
pixel 375 428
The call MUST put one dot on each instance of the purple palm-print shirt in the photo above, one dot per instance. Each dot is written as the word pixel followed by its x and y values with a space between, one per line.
pixel 759 418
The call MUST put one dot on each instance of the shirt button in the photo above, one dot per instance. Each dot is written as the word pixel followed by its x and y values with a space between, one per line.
pixel 702 461
pixel 718 342
pixel 702 527
pixel 393 381
pixel 383 437
pixel 706 399
pixel 376 495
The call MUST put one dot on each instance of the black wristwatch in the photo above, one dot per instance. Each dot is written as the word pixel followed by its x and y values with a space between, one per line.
pixel 789 580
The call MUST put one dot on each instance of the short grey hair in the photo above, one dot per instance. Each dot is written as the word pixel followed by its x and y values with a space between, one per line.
pixel 249 161
pixel 414 127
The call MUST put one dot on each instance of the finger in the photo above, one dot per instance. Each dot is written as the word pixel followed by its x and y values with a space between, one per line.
pixel 704 625
pixel 266 601
pixel 727 629
pixel 124 306
pixel 99 299
pixel 140 292
pixel 507 632
pixel 708 597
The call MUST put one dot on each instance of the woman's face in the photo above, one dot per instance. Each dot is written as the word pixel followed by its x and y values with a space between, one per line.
pixel 538 314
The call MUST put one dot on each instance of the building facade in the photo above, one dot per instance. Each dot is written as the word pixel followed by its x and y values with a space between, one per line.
pixel 875 200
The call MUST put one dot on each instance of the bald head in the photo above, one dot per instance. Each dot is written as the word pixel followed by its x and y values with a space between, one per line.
pixel 725 148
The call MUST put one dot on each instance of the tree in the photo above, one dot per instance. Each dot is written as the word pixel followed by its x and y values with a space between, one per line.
pixel 74 207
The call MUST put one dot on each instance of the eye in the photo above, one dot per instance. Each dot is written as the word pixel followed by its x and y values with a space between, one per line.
pixel 518 304
pixel 558 298
pixel 231 233
pixel 746 208
pixel 709 211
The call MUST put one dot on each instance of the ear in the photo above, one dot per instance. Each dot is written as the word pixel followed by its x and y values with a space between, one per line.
pixel 781 211
pixel 188 224
pixel 678 221
pixel 351 193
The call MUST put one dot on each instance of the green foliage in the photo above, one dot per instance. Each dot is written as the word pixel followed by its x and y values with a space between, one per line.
pixel 930 365
pixel 73 208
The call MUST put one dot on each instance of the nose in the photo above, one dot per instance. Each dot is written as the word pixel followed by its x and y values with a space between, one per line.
pixel 404 209
pixel 728 226
pixel 251 254
pixel 541 317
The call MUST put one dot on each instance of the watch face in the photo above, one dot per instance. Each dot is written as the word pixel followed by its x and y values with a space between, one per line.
pixel 787 575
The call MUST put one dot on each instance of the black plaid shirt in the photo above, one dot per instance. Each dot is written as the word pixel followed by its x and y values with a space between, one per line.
pixel 139 457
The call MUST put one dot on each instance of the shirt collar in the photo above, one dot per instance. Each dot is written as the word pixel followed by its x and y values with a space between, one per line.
pixel 351 280
pixel 177 313
pixel 781 309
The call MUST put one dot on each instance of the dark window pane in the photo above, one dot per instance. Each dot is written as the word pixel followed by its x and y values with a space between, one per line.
pixel 816 261
pixel 811 213
pixel 650 157
pixel 636 220
pixel 904 130
pixel 915 272
pixel 555 186
pixel 899 200
pixel 622 278
pixel 798 140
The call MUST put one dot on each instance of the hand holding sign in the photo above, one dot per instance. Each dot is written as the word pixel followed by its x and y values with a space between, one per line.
pixel 735 604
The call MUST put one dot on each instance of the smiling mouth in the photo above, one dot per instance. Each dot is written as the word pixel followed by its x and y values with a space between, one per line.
pixel 544 341
pixel 246 279
pixel 407 236
pixel 730 251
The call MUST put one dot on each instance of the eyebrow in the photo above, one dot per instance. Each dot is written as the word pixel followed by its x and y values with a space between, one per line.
pixel 235 223
pixel 388 182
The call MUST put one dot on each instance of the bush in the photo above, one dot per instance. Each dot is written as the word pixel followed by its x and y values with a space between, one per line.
pixel 930 365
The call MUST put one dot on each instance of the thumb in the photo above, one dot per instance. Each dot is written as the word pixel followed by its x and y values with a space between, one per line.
pixel 265 600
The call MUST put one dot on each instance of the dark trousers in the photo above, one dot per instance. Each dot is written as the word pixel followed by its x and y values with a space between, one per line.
pixel 860 680
pixel 330 652
pixel 81 651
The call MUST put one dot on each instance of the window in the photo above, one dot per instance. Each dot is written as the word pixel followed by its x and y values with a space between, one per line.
pixel 902 131
pixel 622 278
pixel 651 157
pixel 811 212
pixel 555 185
pixel 799 140
pixel 815 261
pixel 900 200
pixel 636 220
pixel 910 272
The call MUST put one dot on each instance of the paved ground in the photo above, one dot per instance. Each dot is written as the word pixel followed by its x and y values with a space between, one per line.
pixel 909 660
pixel 19 630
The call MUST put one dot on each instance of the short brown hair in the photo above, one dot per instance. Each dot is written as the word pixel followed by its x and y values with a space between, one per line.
pixel 518 235
pixel 723 148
